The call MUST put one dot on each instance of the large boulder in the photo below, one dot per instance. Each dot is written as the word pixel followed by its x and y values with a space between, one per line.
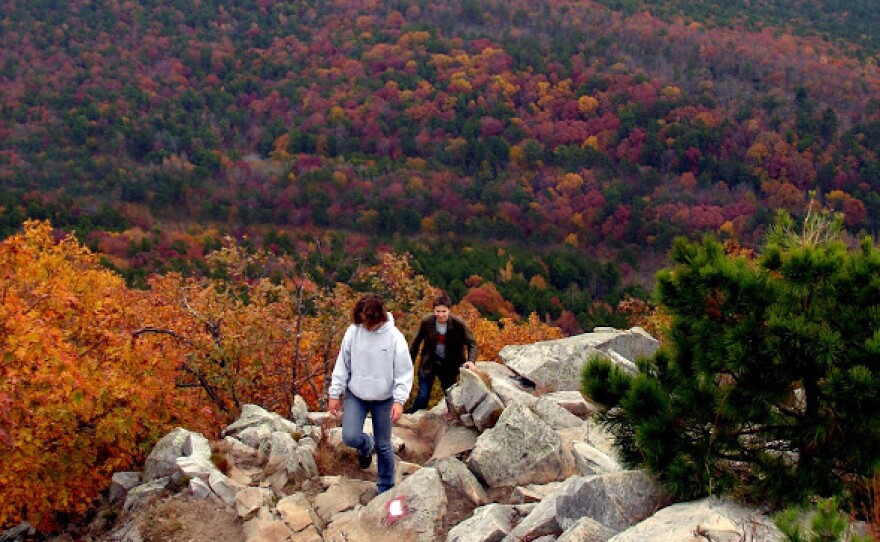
pixel 520 449
pixel 714 519
pixel 616 500
pixel 557 365
pixel 180 442
pixel 425 504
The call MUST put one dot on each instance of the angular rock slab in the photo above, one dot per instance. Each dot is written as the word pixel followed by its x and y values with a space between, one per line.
pixel 488 523
pixel 456 440
pixel 521 449
pixel 162 460
pixel 617 500
pixel 720 519
pixel 456 475
pixel 425 501
pixel 588 530
pixel 556 365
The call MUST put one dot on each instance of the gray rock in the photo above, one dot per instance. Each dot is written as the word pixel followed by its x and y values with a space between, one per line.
pixel 17 533
pixel 440 409
pixel 145 493
pixel 554 415
pixel 590 460
pixel 543 520
pixel 200 489
pixel 573 402
pixel 197 447
pixel 282 453
pixel 121 483
pixel 251 416
pixel 509 391
pixel 486 414
pixel 471 392
pixel 617 500
pixel 520 449
pixel 265 527
pixel 588 530
pixel 425 504
pixel 720 520
pixel 254 436
pixel 162 461
pixel 487 524
pixel 299 411
pixel 533 493
pixel 455 441
pixel 250 500
pixel 556 365
pixel 456 475
pixel 224 487
pixel 296 511
pixel 196 467
pixel 343 495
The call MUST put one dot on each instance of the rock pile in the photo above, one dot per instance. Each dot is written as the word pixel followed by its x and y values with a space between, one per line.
pixel 513 455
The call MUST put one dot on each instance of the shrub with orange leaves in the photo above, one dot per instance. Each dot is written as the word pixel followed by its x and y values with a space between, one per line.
pixel 79 399
pixel 493 336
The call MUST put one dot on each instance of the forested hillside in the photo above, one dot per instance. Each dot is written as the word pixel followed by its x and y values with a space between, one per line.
pixel 597 131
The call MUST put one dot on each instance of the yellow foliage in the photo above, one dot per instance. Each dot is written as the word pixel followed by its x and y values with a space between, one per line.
pixel 670 91
pixel 538 282
pixel 592 142
pixel 587 105
pixel 570 183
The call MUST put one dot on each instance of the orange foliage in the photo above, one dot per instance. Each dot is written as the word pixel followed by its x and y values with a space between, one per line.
pixel 80 398
pixel 488 299
pixel 493 336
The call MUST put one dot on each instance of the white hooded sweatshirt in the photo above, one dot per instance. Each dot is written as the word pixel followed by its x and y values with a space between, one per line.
pixel 373 365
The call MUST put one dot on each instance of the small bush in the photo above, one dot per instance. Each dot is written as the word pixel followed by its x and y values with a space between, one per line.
pixel 822 522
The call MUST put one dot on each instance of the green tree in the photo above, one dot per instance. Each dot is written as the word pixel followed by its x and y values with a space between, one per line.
pixel 770 383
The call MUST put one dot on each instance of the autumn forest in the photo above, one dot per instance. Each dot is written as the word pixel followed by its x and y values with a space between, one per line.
pixel 232 174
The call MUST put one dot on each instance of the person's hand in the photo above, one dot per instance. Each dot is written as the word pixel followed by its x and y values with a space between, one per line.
pixel 470 366
pixel 334 407
pixel 396 412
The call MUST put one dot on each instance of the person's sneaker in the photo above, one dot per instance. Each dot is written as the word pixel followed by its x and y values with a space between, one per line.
pixel 366 460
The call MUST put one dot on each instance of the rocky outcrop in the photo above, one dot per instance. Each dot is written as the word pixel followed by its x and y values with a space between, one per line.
pixel 557 365
pixel 520 449
pixel 711 518
pixel 514 456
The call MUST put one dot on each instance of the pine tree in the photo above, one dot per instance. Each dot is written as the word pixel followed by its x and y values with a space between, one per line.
pixel 770 382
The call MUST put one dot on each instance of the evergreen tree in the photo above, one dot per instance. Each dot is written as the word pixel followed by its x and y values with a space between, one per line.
pixel 770 382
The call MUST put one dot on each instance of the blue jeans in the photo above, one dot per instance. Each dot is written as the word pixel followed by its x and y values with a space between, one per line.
pixel 425 385
pixel 354 413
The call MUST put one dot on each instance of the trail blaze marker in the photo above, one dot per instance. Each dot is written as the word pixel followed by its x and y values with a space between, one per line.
pixel 396 510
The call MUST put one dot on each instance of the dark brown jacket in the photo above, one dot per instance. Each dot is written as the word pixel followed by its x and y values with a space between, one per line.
pixel 458 338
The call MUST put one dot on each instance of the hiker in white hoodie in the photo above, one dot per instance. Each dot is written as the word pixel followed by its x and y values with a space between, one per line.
pixel 374 372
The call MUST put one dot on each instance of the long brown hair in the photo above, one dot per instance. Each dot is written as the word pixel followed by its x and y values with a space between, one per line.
pixel 369 311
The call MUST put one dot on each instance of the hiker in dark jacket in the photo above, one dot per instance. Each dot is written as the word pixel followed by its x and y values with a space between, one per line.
pixel 448 345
